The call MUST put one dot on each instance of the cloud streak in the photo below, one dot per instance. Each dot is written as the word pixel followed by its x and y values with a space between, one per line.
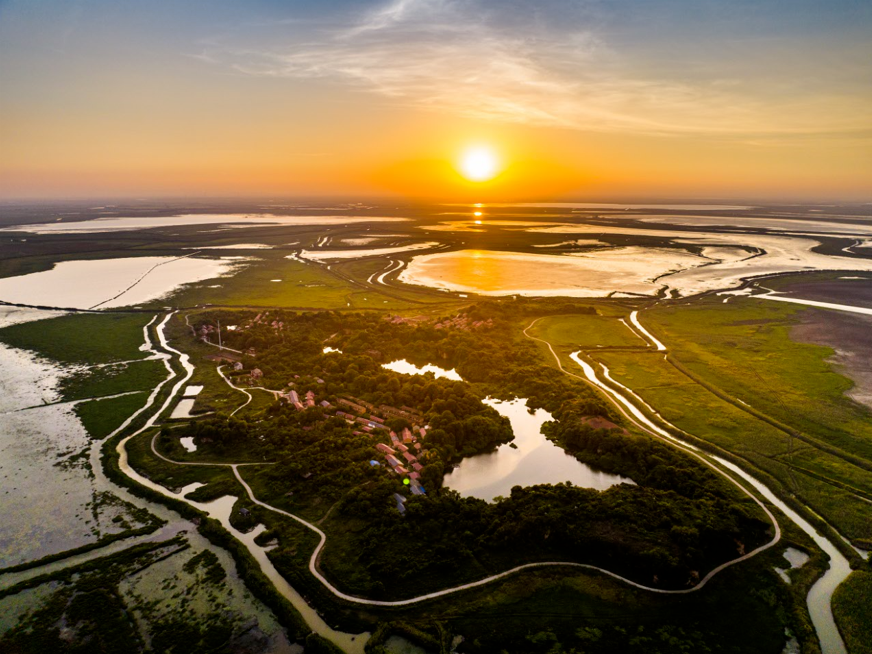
pixel 457 56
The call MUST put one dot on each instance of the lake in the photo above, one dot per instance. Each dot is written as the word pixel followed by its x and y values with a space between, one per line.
pixel 107 283
pixel 582 274
pixel 533 460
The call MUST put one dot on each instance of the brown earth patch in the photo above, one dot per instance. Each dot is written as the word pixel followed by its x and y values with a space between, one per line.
pixel 850 335
pixel 854 292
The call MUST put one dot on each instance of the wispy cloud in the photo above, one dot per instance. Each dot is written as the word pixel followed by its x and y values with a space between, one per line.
pixel 457 56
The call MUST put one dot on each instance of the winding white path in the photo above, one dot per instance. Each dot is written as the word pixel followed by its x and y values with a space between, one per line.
pixel 634 318
pixel 234 387
pixel 381 278
pixel 627 408
pixel 813 303
pixel 313 560
pixel 820 594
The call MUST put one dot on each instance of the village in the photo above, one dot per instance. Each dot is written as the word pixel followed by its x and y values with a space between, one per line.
pixel 400 452
pixel 400 456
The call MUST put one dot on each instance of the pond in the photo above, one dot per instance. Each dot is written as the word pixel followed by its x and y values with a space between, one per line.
pixel 403 366
pixel 533 460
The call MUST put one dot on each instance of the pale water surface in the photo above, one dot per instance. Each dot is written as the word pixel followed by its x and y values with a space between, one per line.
pixel 588 274
pixel 403 366
pixel 330 255
pixel 106 283
pixel 233 219
pixel 533 460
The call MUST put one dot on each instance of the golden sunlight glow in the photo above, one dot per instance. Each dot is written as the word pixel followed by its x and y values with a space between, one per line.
pixel 479 164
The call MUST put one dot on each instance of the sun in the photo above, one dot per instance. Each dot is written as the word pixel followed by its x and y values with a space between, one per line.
pixel 479 164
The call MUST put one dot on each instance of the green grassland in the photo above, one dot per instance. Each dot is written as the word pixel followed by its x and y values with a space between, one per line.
pixel 101 417
pixel 827 461
pixel 745 346
pixel 852 605
pixel 699 412
pixel 82 338
pixel 586 332
pixel 834 486
pixel 83 383
pixel 534 611
pixel 302 285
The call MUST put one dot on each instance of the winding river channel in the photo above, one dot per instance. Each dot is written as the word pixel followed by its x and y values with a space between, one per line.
pixel 819 599
pixel 627 402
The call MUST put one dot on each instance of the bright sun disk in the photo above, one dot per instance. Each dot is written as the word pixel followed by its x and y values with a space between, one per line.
pixel 479 164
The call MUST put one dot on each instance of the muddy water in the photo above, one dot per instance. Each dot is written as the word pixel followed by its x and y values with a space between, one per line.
pixel 36 445
pixel 106 283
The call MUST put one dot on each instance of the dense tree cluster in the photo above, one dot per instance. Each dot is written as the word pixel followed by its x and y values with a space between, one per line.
pixel 669 529
pixel 654 536
pixel 499 357
pixel 646 461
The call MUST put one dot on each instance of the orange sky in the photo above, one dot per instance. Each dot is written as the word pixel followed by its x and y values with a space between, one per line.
pixel 366 106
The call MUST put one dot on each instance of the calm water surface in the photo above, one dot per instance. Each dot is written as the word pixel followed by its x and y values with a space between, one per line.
pixel 533 460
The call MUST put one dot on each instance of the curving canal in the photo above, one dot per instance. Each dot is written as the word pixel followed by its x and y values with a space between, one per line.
pixel 819 599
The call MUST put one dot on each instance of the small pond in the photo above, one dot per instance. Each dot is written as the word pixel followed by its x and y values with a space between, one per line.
pixel 533 460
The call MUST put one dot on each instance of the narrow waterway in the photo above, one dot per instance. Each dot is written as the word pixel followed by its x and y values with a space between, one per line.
pixel 221 508
pixel 819 599
pixel 820 596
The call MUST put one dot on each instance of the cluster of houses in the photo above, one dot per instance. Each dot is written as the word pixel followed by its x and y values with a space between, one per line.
pixel 461 321
pixel 304 402
pixel 261 318
pixel 402 456
pixel 407 320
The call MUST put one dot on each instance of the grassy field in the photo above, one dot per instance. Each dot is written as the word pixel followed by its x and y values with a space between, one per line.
pixel 100 381
pixel 852 607
pixel 745 346
pixel 576 332
pixel 82 338
pixel 303 285
pixel 696 410
pixel 834 486
pixel 102 417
